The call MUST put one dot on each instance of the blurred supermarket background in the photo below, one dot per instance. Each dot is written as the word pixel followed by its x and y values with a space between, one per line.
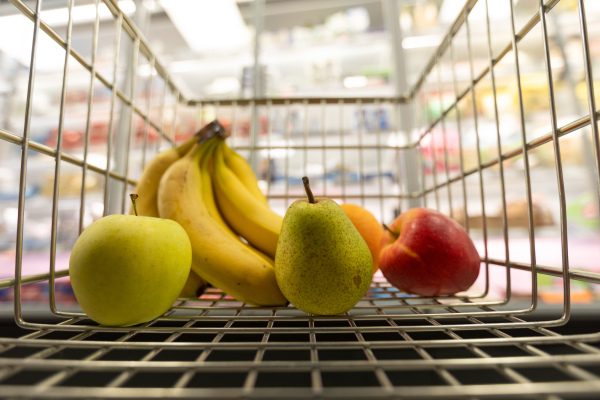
pixel 308 49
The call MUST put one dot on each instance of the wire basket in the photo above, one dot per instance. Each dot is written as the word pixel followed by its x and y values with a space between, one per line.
pixel 492 342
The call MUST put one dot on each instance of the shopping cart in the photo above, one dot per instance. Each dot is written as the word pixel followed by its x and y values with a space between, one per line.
pixel 492 342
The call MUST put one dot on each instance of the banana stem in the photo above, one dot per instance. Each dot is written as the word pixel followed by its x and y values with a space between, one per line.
pixel 134 196
pixel 311 198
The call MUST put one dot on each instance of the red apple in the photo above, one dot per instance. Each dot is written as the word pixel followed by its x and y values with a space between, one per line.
pixel 425 252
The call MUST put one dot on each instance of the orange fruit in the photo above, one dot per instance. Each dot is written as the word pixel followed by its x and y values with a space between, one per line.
pixel 369 228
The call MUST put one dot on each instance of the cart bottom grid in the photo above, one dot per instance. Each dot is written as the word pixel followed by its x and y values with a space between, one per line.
pixel 389 345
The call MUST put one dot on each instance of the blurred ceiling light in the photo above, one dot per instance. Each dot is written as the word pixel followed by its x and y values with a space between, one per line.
pixel 352 82
pixel 145 70
pixel 497 10
pixel 208 25
pixel 150 5
pixel 84 13
pixel 415 42
pixel 20 29
pixel 223 86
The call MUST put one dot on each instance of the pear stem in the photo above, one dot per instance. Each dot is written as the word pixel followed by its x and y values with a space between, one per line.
pixel 134 196
pixel 311 198
pixel 387 228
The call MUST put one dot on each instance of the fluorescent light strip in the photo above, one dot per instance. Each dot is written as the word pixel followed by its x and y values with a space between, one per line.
pixel 416 42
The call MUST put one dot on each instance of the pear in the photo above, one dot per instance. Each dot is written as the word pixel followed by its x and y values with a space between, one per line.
pixel 323 265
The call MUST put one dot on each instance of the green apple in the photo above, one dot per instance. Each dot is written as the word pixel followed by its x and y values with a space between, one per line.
pixel 126 269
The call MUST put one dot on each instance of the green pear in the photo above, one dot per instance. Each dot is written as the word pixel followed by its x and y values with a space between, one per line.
pixel 322 264
pixel 129 269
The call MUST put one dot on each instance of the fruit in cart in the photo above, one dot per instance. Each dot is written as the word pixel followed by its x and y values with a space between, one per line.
pixel 425 252
pixel 247 215
pixel 240 167
pixel 194 286
pixel 147 185
pixel 208 197
pixel 218 256
pixel 323 265
pixel 368 227
pixel 126 269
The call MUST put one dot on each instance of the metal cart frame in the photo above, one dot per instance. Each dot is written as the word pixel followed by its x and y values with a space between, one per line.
pixel 390 345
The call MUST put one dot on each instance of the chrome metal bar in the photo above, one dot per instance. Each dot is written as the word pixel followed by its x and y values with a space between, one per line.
pixel 23 170
pixel 559 171
pixel 589 80
pixel 528 196
pixel 88 122
pixel 175 115
pixel 460 137
pixel 305 140
pixel 109 135
pixel 269 173
pixel 324 145
pixel 478 149
pixel 580 275
pixel 132 77
pixel 282 101
pixel 57 163
pixel 198 118
pixel 590 358
pixel 444 137
pixel 163 101
pixel 288 153
pixel 343 150
pixel 432 150
pixel 361 166
pixel 499 151
pixel 234 129
pixel 378 144
pixel 397 154
pixel 151 63
pixel 36 278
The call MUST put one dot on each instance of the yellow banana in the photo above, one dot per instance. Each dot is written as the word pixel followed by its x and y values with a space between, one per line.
pixel 217 257
pixel 247 216
pixel 207 189
pixel 147 186
pixel 206 165
pixel 194 286
pixel 240 167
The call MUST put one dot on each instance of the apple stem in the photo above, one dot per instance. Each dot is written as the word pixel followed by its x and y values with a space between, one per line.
pixel 387 228
pixel 311 198
pixel 134 196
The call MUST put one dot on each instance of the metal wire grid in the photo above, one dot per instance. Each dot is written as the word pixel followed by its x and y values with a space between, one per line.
pixel 234 351
pixel 387 345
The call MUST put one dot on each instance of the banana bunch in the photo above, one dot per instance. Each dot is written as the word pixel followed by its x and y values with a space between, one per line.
pixel 237 267
pixel 212 192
